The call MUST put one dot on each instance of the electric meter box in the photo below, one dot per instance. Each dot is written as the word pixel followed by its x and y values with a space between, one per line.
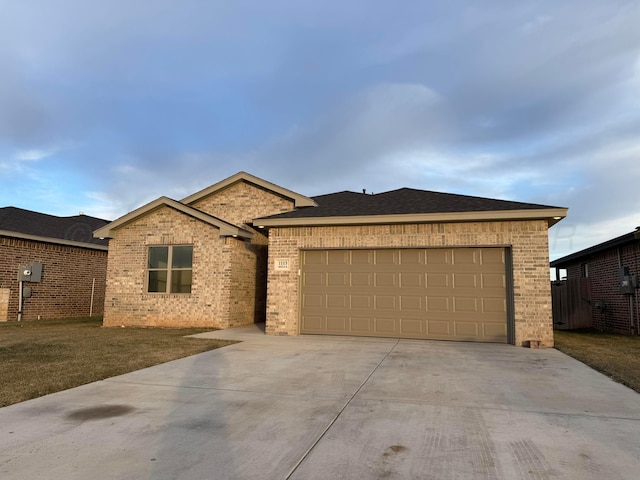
pixel 30 273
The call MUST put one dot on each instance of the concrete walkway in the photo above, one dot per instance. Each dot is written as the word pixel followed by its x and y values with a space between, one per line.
pixel 333 408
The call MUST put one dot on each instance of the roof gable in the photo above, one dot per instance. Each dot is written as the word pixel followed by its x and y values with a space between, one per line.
pixel 226 229
pixel 298 200
pixel 75 230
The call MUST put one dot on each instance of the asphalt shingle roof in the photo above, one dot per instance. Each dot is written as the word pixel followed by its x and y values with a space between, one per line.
pixel 78 228
pixel 402 201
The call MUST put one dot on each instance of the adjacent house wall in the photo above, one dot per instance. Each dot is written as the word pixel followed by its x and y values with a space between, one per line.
pixel 530 257
pixel 67 280
pixel 604 280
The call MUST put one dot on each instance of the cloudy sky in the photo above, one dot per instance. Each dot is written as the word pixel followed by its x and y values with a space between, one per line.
pixel 106 105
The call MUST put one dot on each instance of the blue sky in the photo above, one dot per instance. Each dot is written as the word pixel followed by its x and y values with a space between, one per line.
pixel 105 106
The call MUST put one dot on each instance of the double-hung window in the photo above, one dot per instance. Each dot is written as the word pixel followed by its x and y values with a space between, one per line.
pixel 170 269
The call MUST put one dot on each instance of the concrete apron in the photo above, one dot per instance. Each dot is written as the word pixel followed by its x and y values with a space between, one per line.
pixel 333 408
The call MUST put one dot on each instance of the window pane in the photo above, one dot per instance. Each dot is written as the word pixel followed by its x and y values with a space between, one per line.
pixel 158 257
pixel 181 281
pixel 158 281
pixel 182 257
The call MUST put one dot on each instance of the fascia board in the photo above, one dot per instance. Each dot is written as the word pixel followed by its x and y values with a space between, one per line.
pixel 57 241
pixel 552 215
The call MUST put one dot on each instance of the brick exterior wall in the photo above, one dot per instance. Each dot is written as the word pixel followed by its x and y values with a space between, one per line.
pixel 67 280
pixel 530 258
pixel 604 282
pixel 229 274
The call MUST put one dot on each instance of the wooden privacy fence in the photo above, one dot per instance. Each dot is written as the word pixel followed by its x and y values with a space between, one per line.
pixel 571 304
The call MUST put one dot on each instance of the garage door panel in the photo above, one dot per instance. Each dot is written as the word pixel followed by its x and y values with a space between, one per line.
pixel 464 330
pixel 386 257
pixel 446 293
pixel 337 301
pixel 435 280
pixel 385 302
pixel 361 301
pixel 310 300
pixel 438 256
pixel 337 324
pixel 462 304
pixel 492 255
pixel 439 328
pixel 494 331
pixel 465 256
pixel 384 279
pixel 465 280
pixel 412 327
pixel 313 257
pixel 361 280
pixel 494 305
pixel 385 326
pixel 361 325
pixel 410 258
pixel 337 257
pixel 411 280
pixel 313 323
pixel 411 302
pixel 310 279
pixel 337 279
pixel 361 257
pixel 438 304
pixel 493 280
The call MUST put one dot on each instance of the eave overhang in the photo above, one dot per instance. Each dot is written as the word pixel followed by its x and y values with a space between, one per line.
pixel 551 215
pixel 57 241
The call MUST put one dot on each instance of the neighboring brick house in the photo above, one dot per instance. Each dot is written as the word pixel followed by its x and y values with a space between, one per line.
pixel 614 307
pixel 406 263
pixel 73 263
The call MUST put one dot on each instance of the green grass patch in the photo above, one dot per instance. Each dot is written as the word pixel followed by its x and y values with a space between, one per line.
pixel 47 356
pixel 617 356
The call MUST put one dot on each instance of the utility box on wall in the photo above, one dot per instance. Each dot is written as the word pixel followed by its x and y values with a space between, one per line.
pixel 30 273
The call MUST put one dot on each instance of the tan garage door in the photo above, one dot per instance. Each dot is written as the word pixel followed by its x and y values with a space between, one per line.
pixel 443 293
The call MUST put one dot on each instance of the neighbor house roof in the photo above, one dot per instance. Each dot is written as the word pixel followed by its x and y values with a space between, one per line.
pixel 76 230
pixel 625 239
pixel 410 205
pixel 226 229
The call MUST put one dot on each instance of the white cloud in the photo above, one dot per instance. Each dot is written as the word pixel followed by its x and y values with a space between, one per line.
pixel 35 154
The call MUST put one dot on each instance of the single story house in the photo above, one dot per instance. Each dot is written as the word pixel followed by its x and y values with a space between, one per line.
pixel 72 265
pixel 610 270
pixel 405 263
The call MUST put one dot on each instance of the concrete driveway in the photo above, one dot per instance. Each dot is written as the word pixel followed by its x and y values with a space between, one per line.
pixel 333 408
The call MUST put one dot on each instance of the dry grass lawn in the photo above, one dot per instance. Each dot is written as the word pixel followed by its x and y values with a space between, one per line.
pixel 617 356
pixel 46 356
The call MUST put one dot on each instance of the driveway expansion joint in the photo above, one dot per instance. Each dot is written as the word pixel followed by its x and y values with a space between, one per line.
pixel 332 422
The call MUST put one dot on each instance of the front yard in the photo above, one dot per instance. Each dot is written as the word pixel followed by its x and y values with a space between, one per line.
pixel 617 356
pixel 47 356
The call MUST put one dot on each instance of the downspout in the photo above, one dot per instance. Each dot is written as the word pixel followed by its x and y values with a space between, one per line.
pixel 93 289
pixel 20 301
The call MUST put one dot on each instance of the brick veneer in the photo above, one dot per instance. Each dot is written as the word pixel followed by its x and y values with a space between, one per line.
pixel 528 241
pixel 67 279
pixel 604 280
pixel 229 274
